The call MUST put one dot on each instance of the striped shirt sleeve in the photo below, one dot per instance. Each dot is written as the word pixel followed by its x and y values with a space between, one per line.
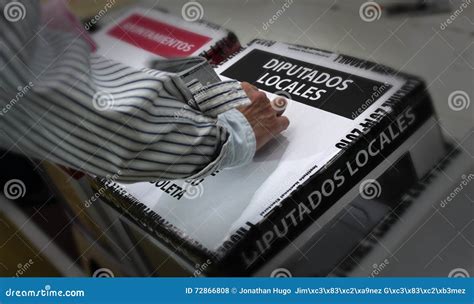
pixel 62 103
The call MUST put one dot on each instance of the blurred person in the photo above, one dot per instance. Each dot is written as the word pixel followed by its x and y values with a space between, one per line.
pixel 50 88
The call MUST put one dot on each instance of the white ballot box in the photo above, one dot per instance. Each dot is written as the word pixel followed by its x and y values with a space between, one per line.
pixel 141 35
pixel 361 134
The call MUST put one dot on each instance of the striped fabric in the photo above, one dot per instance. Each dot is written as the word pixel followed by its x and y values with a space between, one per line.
pixel 62 103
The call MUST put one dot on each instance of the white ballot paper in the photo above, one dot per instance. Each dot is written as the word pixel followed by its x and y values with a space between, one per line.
pixel 328 100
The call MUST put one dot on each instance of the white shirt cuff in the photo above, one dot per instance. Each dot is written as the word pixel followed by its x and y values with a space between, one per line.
pixel 241 146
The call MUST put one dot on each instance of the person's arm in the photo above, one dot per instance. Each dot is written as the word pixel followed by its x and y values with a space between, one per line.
pixel 102 117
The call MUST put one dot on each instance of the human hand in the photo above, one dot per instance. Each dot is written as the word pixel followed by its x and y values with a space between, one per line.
pixel 264 116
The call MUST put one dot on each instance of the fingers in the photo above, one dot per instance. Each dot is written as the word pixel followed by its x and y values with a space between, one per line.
pixel 255 95
pixel 282 124
pixel 248 88
pixel 266 114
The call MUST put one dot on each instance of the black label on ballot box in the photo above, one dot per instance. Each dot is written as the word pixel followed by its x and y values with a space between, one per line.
pixel 327 89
